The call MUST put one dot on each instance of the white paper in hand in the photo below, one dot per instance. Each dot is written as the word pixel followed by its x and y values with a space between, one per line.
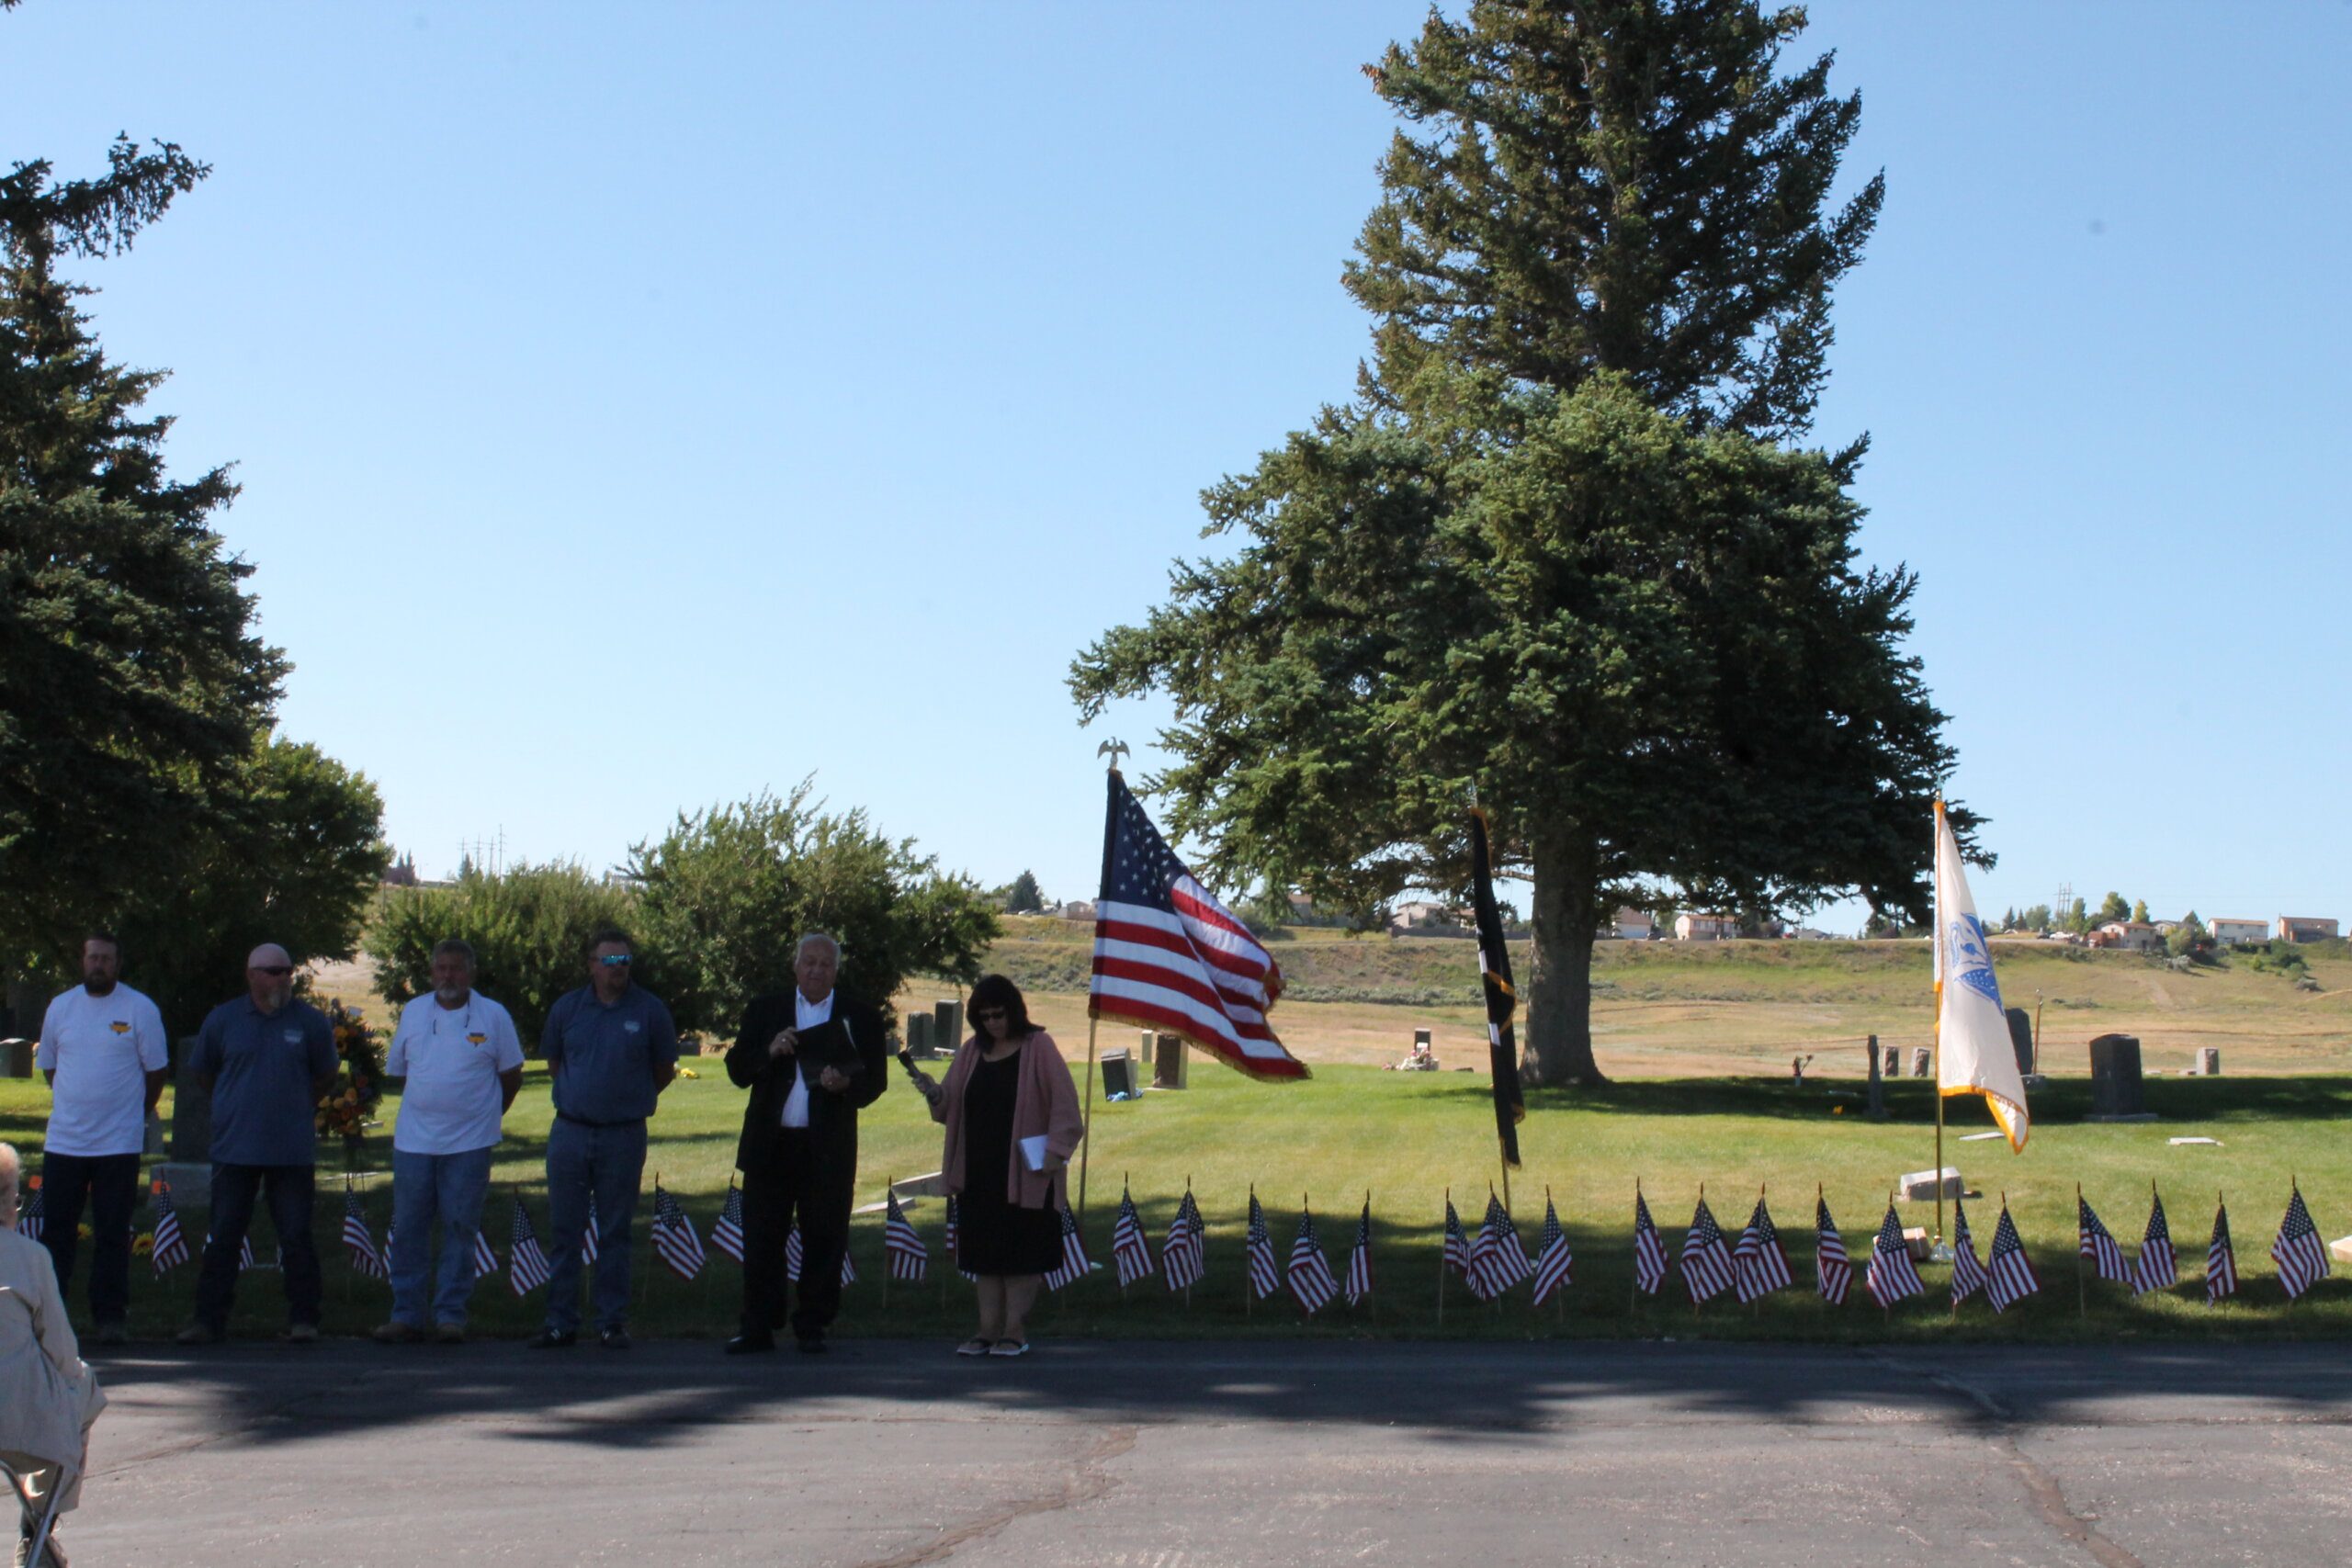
pixel 1033 1151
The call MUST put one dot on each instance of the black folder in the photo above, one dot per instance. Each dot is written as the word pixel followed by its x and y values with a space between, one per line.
pixel 827 1044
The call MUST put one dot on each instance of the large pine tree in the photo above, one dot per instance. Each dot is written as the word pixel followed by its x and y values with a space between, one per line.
pixel 133 688
pixel 1555 557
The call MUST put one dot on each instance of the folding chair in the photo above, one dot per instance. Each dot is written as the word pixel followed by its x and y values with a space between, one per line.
pixel 16 1480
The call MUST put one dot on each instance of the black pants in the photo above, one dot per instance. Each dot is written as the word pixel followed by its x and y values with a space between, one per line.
pixel 798 1181
pixel 110 1183
pixel 291 1189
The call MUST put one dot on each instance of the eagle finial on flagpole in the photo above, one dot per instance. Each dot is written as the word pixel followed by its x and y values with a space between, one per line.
pixel 1114 748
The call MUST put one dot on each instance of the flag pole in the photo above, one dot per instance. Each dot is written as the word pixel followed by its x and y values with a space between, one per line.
pixel 1633 1285
pixel 2082 1297
pixel 1441 1266
pixel 889 1190
pixel 1686 1279
pixel 1936 1047
pixel 1086 1140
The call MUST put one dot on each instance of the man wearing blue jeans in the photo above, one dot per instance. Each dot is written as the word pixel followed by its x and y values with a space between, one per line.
pixel 463 1064
pixel 611 1049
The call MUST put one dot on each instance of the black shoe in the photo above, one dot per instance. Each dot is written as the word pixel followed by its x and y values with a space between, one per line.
pixel 551 1339
pixel 811 1345
pixel 751 1344
pixel 614 1339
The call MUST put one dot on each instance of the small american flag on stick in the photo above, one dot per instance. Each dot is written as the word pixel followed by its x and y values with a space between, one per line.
pixel 589 1232
pixel 1968 1275
pixel 1498 1261
pixel 1258 1248
pixel 1184 1255
pixel 1130 1248
pixel 1833 1272
pixel 1310 1273
pixel 952 1244
pixel 2220 1257
pixel 1553 1262
pixel 1456 1255
pixel 171 1243
pixel 526 1263
pixel 30 1218
pixel 1359 1258
pixel 1890 1276
pixel 358 1241
pixel 2092 1241
pixel 2156 1267
pixel 2301 1256
pixel 1706 1260
pixel 793 1250
pixel 902 1248
pixel 1759 1263
pixel 727 1235
pixel 1649 1252
pixel 1074 1265
pixel 2009 1278
pixel 485 1257
pixel 673 1234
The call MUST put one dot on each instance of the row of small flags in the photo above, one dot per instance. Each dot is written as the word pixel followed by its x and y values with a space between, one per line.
pixel 1490 1264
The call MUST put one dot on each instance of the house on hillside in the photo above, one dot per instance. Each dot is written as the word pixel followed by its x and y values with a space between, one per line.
pixel 1076 910
pixel 1705 928
pixel 2299 928
pixel 2239 934
pixel 2132 936
pixel 1632 925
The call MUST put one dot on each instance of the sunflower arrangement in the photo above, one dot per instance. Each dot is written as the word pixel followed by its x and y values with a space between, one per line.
pixel 348 1106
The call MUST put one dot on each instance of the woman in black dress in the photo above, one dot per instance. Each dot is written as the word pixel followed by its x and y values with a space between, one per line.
pixel 1007 1084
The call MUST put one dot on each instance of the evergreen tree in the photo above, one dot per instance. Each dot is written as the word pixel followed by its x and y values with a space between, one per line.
pixel 1547 558
pixel 1022 897
pixel 132 685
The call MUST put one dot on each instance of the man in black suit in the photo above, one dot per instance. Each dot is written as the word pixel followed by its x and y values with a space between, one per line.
pixel 799 1152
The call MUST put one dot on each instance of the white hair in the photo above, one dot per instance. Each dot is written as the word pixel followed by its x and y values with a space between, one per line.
pixel 827 937
pixel 12 1166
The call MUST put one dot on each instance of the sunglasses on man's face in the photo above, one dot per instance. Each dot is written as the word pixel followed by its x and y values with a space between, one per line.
pixel 615 960
pixel 275 971
pixel 985 1014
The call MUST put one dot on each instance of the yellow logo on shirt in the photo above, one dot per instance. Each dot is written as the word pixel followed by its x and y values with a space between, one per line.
pixel 120 1026
pixel 476 1039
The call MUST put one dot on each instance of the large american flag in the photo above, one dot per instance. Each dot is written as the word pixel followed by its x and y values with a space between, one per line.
pixel 2301 1255
pixel 1184 1255
pixel 358 1239
pixel 1553 1262
pixel 170 1249
pixel 1310 1271
pixel 1968 1275
pixel 2009 1276
pixel 29 1217
pixel 1649 1252
pixel 1706 1260
pixel 1890 1276
pixel 1130 1248
pixel 727 1235
pixel 2092 1241
pixel 526 1262
pixel 2220 1257
pixel 1456 1255
pixel 1074 1265
pixel 1258 1248
pixel 1497 1260
pixel 1359 1258
pixel 1167 955
pixel 902 1248
pixel 1759 1263
pixel 1832 1271
pixel 2154 1268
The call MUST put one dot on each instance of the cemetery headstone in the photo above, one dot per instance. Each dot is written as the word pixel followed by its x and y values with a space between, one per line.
pixel 1921 1060
pixel 947 1023
pixel 2116 1090
pixel 1168 1070
pixel 16 1058
pixel 1118 1075
pixel 1878 1079
pixel 2022 1038
pixel 2208 1061
pixel 919 1034
pixel 1144 1040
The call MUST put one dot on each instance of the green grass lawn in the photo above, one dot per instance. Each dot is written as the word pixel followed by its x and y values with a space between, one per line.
pixel 1407 1138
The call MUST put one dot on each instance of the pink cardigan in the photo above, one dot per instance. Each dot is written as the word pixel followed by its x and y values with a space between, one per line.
pixel 1046 1101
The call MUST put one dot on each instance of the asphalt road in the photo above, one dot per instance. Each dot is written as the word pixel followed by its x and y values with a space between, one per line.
pixel 1191 1456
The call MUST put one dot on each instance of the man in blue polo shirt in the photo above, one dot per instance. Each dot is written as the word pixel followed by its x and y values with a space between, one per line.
pixel 611 1050
pixel 266 1058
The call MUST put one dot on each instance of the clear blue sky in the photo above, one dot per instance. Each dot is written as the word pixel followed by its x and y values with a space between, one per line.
pixel 637 406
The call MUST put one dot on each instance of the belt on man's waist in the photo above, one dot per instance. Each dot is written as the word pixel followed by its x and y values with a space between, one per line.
pixel 585 1122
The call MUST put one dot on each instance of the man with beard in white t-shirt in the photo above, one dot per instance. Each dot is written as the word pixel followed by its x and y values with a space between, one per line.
pixel 103 1050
